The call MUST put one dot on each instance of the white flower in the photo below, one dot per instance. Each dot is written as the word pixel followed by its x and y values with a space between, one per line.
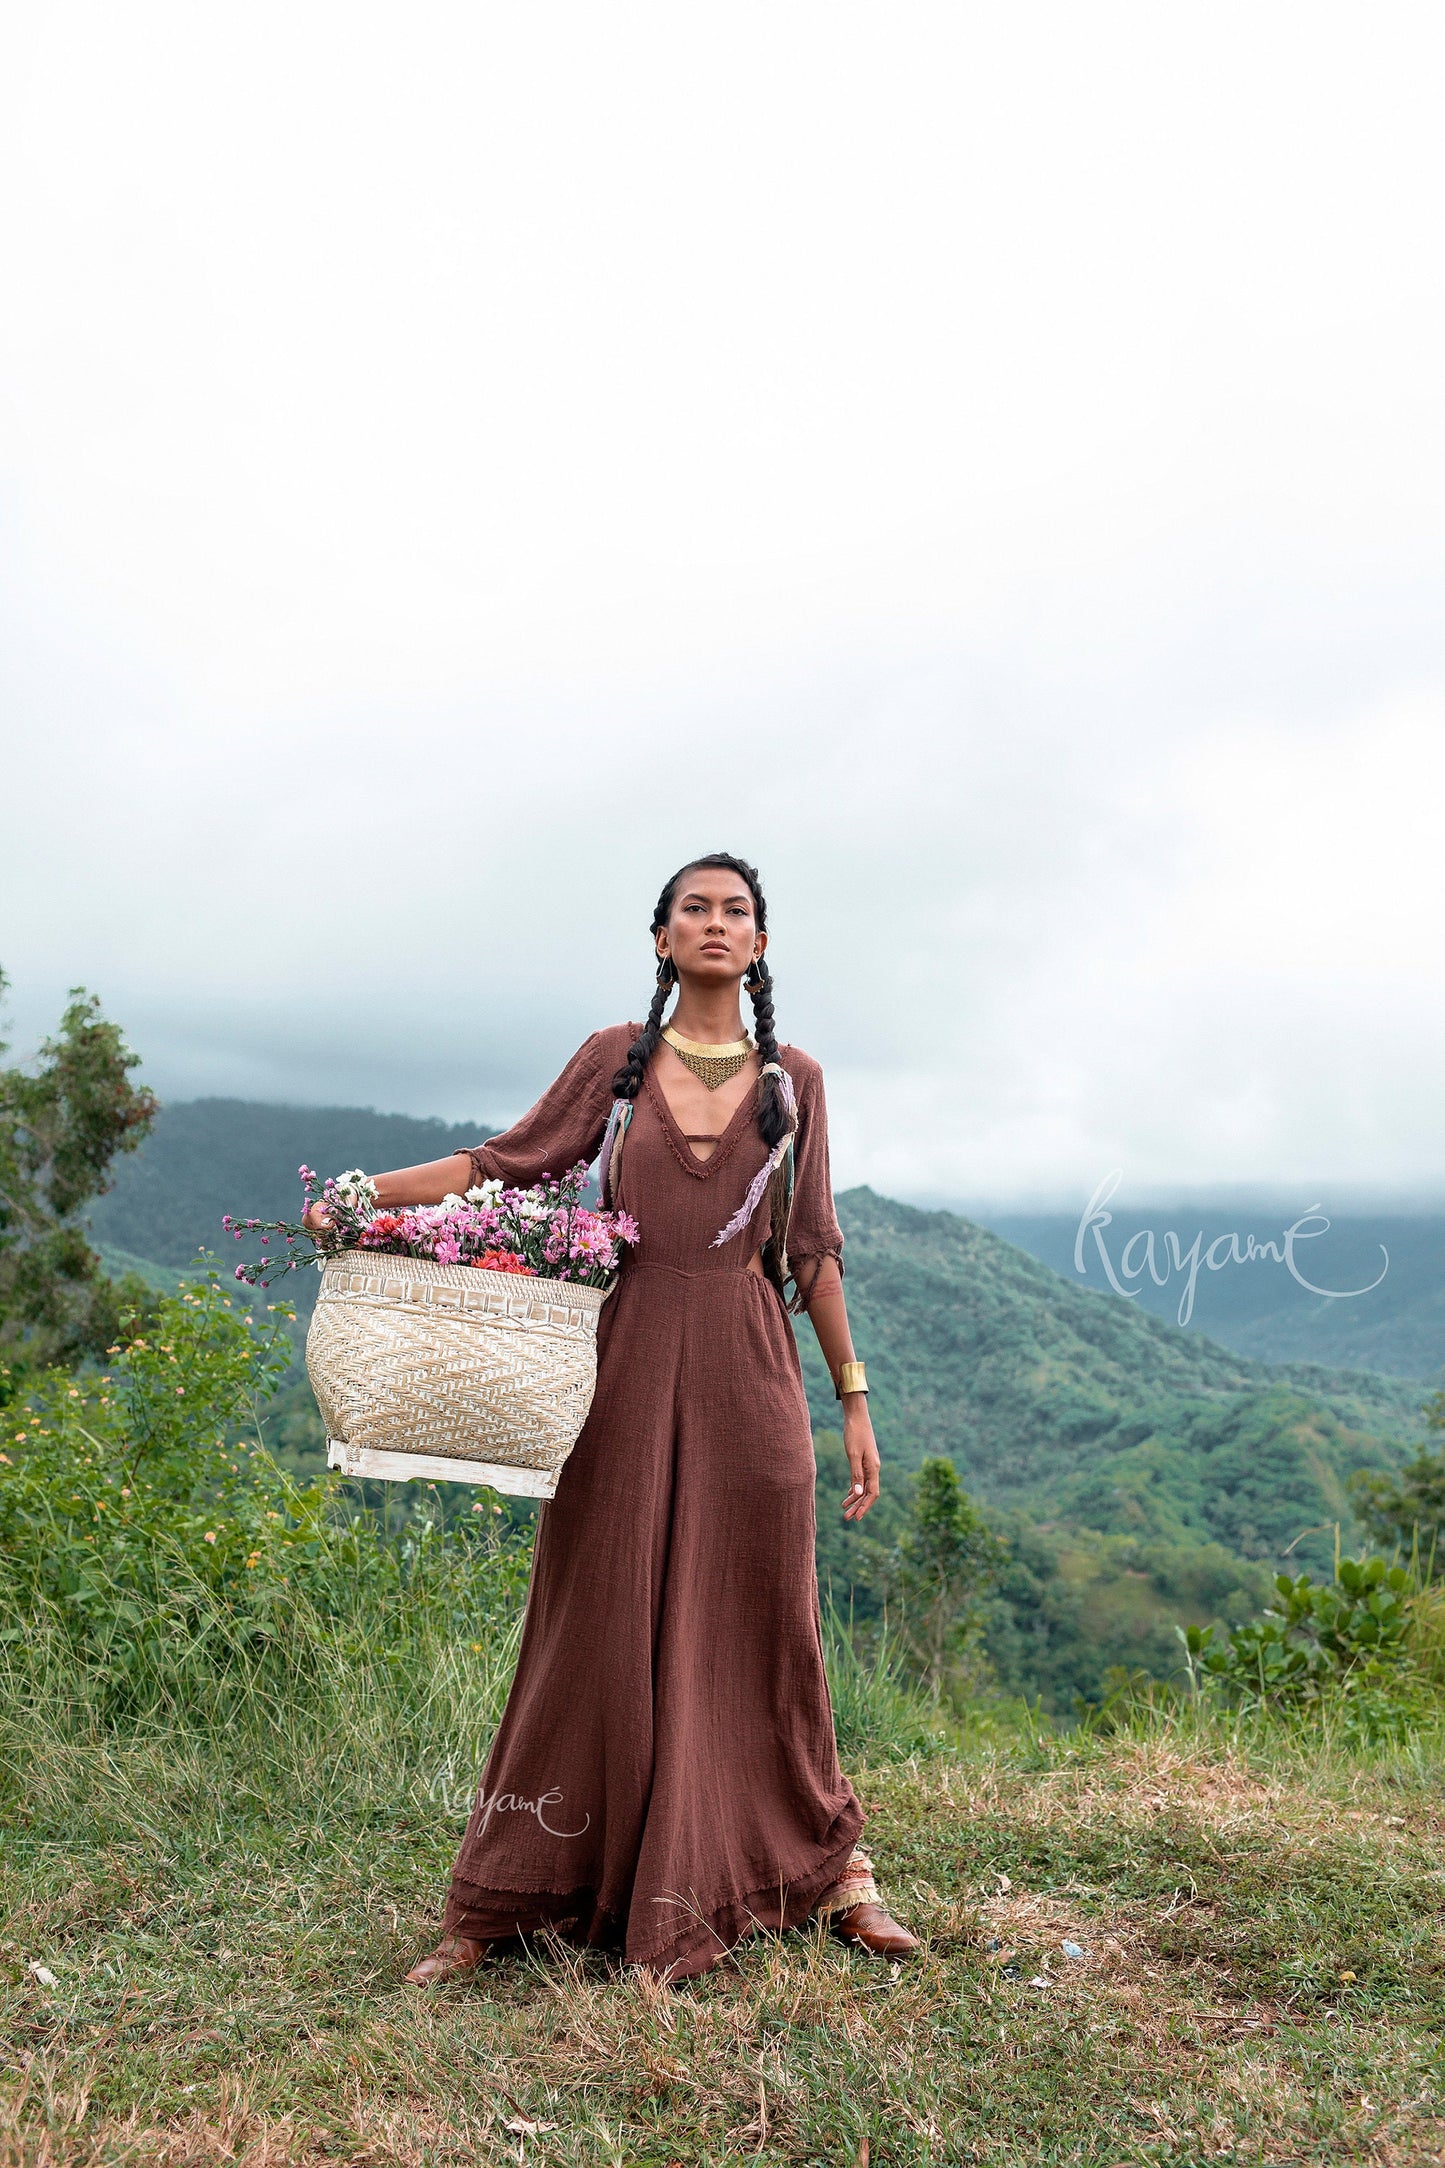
pixel 485 1193
pixel 356 1188
pixel 453 1203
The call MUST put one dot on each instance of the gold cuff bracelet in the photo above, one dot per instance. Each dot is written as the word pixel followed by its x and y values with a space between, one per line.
pixel 852 1378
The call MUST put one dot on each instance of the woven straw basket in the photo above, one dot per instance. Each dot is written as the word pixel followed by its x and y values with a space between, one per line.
pixel 451 1374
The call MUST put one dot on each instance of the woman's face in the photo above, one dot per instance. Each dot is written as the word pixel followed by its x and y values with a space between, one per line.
pixel 712 929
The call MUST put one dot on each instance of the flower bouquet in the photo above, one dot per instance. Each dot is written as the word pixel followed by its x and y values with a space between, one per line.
pixel 453 1342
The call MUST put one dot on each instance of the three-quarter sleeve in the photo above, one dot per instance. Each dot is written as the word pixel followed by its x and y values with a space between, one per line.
pixel 563 1128
pixel 813 1230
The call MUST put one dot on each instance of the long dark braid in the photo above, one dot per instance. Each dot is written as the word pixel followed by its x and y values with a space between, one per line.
pixel 627 1083
pixel 772 1114
pixel 773 1122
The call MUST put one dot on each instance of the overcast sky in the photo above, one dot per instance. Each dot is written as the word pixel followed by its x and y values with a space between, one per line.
pixel 983 462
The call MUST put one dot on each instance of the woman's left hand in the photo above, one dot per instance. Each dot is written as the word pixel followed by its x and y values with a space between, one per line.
pixel 862 1451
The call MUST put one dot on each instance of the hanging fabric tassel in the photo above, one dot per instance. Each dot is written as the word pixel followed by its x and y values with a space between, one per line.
pixel 610 1159
pixel 782 1211
pixel 780 1152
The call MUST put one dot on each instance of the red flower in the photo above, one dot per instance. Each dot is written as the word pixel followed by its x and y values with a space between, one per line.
pixel 503 1261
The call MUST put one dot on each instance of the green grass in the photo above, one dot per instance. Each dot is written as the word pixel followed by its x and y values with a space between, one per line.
pixel 227 1916
pixel 240 1723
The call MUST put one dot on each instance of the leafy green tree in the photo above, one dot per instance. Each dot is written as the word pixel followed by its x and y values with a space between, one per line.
pixel 1407 1510
pixel 62 1122
pixel 944 1560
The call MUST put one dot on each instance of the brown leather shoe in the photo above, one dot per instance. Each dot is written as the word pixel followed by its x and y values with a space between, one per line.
pixel 873 1929
pixel 453 1955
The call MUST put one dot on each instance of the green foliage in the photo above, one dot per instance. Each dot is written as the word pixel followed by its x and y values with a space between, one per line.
pixel 878 1713
pixel 62 1122
pixel 1407 1511
pixel 1318 1644
pixel 154 1556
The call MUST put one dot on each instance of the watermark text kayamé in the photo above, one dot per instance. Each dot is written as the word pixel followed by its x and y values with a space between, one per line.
pixel 445 1790
pixel 1226 1249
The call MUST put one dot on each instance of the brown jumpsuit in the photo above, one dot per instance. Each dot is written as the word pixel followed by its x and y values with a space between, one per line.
pixel 665 1775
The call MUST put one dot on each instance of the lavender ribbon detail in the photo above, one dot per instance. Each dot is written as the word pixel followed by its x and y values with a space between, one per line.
pixel 757 1188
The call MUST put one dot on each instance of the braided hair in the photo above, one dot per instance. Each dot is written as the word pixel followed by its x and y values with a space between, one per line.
pixel 774 1119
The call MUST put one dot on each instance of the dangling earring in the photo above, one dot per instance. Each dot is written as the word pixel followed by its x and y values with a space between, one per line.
pixel 666 972
pixel 754 983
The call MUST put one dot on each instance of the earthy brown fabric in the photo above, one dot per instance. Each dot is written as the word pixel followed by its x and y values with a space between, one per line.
pixel 665 1775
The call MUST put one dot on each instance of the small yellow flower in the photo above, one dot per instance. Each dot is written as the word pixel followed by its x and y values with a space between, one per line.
pixel 210 1535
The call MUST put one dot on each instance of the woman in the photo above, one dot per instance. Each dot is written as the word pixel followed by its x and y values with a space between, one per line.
pixel 665 1774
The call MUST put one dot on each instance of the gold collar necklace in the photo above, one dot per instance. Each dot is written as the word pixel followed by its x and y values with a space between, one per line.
pixel 713 1065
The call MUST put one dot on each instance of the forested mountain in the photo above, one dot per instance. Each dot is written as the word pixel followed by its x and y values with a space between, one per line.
pixel 207 1157
pixel 1045 1392
pixel 1144 1475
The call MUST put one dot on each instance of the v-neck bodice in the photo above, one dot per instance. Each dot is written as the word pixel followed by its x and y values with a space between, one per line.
pixel 681 1203
pixel 723 1138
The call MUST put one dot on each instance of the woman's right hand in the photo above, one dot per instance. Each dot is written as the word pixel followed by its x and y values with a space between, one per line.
pixel 316 1219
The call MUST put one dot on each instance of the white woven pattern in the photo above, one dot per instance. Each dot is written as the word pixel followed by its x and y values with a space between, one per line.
pixel 445 1361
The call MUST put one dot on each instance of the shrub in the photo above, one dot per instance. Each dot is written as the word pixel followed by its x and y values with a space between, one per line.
pixel 1319 1645
pixel 151 1554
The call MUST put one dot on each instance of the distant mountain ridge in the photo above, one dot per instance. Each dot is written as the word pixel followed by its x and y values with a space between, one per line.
pixel 207 1157
pixel 1083 1409
pixel 1257 1307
